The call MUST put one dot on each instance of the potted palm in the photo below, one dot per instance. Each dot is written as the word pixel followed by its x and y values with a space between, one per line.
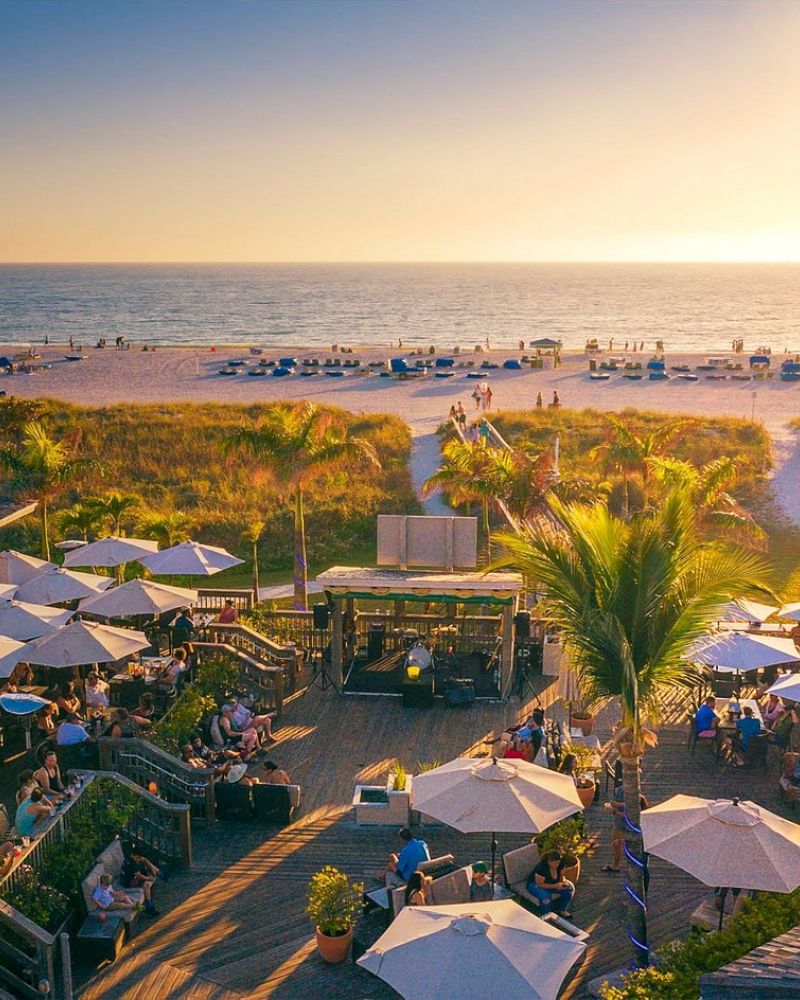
pixel 334 901
pixel 570 839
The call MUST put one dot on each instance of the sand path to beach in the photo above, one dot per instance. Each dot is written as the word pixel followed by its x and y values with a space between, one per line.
pixel 172 375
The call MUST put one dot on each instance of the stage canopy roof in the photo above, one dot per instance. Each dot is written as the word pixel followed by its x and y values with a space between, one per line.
pixel 416 585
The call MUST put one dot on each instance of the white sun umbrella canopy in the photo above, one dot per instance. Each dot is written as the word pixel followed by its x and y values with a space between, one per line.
pixel 16 567
pixel 138 597
pixel 478 950
pixel 22 621
pixel 790 612
pixel 11 653
pixel 748 611
pixel 7 591
pixel 53 586
pixel 190 559
pixel 787 686
pixel 740 651
pixel 725 843
pixel 111 551
pixel 85 642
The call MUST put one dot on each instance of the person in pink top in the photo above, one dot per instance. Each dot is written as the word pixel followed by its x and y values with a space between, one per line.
pixel 229 614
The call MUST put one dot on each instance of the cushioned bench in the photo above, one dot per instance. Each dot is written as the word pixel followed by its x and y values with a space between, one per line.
pixel 110 863
pixel 443 891
pixel 266 803
pixel 517 866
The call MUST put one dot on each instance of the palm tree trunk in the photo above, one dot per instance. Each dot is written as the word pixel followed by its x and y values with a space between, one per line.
pixel 255 568
pixel 300 564
pixel 626 502
pixel 635 894
pixel 44 522
pixel 487 531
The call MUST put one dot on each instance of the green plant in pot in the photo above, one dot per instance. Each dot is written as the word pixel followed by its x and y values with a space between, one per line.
pixel 585 761
pixel 398 778
pixel 334 902
pixel 570 839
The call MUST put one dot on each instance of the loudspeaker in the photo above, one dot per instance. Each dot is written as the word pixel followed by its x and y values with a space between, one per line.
pixel 375 641
pixel 522 624
pixel 321 615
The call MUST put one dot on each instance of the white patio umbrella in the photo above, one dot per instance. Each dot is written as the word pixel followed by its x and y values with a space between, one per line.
pixel 787 686
pixel 7 591
pixel 53 586
pixel 85 642
pixel 790 611
pixel 11 653
pixel 486 795
pixel 16 567
pixel 740 651
pixel 190 559
pixel 22 621
pixel 748 611
pixel 478 950
pixel 111 551
pixel 138 597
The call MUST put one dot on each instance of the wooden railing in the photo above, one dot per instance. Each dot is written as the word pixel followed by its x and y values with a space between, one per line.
pixel 261 649
pixel 258 681
pixel 214 598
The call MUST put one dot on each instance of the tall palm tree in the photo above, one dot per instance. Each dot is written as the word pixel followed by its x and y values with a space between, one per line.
pixel 114 508
pixel 629 598
pixel 44 468
pixel 81 517
pixel 168 528
pixel 299 444
pixel 252 534
pixel 626 453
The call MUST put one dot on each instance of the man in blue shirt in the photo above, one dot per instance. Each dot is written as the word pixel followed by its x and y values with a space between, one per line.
pixel 71 732
pixel 706 720
pixel 403 865
pixel 747 726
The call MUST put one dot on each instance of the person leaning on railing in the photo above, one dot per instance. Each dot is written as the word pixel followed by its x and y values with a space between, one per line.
pixel 33 813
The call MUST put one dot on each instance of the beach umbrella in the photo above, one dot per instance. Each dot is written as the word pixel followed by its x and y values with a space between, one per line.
pixel 11 653
pixel 787 686
pixel 790 611
pixel 22 621
pixel 138 597
pixel 748 611
pixel 111 551
pixel 85 642
pixel 478 950
pixel 190 559
pixel 725 843
pixel 24 706
pixel 741 651
pixel 16 567
pixel 487 795
pixel 54 586
pixel 7 591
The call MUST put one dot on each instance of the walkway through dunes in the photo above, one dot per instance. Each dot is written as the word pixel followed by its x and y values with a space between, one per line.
pixel 234 926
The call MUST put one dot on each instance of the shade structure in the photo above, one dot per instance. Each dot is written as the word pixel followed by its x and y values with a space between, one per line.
pixel 7 591
pixel 22 621
pixel 741 651
pixel 480 795
pixel 138 597
pixel 190 559
pixel 787 686
pixel 11 653
pixel 19 703
pixel 85 642
pixel 111 551
pixel 748 611
pixel 478 950
pixel 790 612
pixel 16 567
pixel 53 586
pixel 725 842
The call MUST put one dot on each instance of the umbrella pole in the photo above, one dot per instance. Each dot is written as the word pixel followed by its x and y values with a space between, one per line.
pixel 27 732
pixel 723 893
pixel 494 855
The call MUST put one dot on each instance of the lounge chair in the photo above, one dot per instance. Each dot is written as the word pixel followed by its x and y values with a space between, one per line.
pixel 275 803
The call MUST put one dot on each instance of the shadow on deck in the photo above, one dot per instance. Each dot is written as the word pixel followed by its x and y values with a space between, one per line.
pixel 234 926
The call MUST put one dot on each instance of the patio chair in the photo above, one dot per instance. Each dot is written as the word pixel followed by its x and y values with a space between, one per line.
pixel 709 738
pixel 233 802
pixel 789 791
pixel 275 803
pixel 755 753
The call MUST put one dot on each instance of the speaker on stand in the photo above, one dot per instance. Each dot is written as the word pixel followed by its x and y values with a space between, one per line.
pixel 320 622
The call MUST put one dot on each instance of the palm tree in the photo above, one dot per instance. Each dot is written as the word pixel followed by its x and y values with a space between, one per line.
pixel 81 517
pixel 252 534
pixel 626 453
pixel 629 598
pixel 44 468
pixel 169 528
pixel 113 507
pixel 299 444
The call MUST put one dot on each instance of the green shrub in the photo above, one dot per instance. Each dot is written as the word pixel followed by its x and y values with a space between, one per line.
pixel 41 903
pixel 186 716
pixel 334 901
pixel 568 837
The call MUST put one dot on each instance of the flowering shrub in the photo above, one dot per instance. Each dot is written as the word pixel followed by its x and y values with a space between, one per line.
pixel 333 901
pixel 39 902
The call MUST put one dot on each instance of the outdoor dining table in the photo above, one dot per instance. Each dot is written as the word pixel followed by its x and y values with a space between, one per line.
pixel 728 721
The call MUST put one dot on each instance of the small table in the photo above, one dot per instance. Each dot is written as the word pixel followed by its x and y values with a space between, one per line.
pixel 726 721
pixel 102 939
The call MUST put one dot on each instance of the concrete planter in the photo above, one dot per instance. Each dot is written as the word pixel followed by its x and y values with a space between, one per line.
pixel 380 805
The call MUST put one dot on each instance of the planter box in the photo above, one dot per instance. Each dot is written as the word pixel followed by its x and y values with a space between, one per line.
pixel 380 805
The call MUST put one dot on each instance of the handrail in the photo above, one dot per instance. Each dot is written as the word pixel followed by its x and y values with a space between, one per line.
pixel 275 674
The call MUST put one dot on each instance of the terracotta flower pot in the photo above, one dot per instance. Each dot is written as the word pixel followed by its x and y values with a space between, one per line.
pixel 586 794
pixel 334 949
pixel 573 872
pixel 584 723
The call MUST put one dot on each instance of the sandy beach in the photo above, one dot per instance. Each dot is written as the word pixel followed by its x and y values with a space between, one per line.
pixel 192 374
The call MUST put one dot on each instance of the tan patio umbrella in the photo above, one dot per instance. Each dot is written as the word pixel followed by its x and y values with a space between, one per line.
pixel 111 551
pixel 11 653
pixel 138 597
pixel 741 651
pixel 22 621
pixel 54 586
pixel 748 611
pixel 190 559
pixel 479 951
pixel 725 843
pixel 85 642
pixel 16 567
pixel 790 611
pixel 486 795
pixel 787 686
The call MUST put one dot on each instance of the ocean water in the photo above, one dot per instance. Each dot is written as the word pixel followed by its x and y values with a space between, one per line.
pixel 696 307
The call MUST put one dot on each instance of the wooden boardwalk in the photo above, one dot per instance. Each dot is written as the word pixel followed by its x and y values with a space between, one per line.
pixel 234 926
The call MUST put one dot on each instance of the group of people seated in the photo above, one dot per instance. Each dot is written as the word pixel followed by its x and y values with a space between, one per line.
pixel 138 872
pixel 523 742
pixel 779 722
pixel 38 794
pixel 236 727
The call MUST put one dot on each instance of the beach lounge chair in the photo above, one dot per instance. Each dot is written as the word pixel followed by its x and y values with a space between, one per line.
pixel 282 370
pixel 229 371
pixel 512 364
pixel 260 372
pixel 477 375
pixel 657 376
pixel 236 362
pixel 599 376
pixel 688 377
pixel 333 373
pixel 445 362
pixel 444 374
pixel 632 375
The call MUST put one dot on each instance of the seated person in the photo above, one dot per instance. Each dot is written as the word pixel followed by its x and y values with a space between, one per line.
pixel 416 889
pixel 122 726
pixel 401 866
pixel 211 757
pixel 189 757
pixel 773 711
pixel 25 785
pixel 170 674
pixel 481 889
pixel 32 813
pixel 144 711
pixel 248 737
pixel 46 719
pixel 531 732
pixel 71 732
pixel 96 691
pixel 274 775
pixel 106 898
pixel 68 701
pixel 548 885
pixel 514 750
pixel 706 719
pixel 245 719
pixel 183 626
pixel 139 873
pixel 228 615
pixel 747 726
pixel 569 765
pixel 48 777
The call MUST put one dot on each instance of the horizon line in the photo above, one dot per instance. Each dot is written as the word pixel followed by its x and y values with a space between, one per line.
pixel 379 263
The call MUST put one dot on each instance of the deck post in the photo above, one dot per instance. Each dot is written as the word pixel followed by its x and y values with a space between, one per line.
pixel 337 671
pixel 507 666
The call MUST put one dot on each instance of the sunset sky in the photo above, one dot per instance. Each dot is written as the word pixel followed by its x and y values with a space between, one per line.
pixel 509 130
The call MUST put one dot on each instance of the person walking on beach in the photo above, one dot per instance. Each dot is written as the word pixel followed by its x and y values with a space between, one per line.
pixel 461 415
pixel 476 395
pixel 539 402
pixel 487 398
pixel 556 404
pixel 72 343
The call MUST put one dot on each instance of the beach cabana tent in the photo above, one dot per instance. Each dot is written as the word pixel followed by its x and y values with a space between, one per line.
pixel 545 343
